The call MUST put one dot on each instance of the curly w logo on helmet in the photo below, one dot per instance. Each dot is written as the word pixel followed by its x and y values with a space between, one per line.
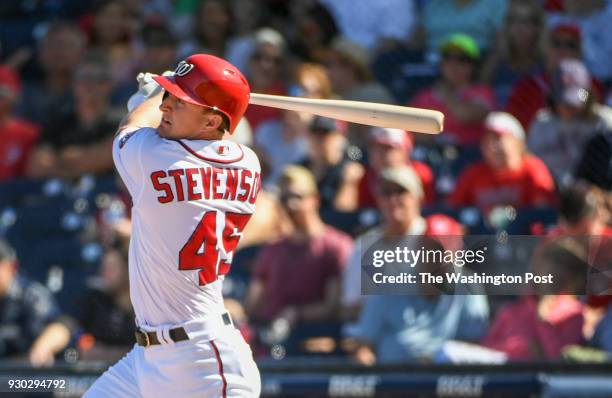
pixel 183 68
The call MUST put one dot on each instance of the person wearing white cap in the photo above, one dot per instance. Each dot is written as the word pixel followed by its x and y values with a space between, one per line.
pixel 391 148
pixel 507 175
pixel 559 133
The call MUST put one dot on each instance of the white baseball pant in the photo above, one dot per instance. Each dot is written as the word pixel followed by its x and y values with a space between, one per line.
pixel 215 362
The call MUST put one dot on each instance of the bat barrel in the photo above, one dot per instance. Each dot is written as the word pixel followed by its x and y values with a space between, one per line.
pixel 369 113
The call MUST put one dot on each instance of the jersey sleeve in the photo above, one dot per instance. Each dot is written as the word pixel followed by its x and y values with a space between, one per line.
pixel 127 149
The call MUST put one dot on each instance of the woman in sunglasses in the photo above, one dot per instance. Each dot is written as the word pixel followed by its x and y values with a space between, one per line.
pixel 464 103
pixel 511 59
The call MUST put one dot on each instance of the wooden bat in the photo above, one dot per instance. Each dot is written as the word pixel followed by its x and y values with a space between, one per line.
pixel 370 113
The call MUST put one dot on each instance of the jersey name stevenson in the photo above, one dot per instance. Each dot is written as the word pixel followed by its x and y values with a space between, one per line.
pixel 208 183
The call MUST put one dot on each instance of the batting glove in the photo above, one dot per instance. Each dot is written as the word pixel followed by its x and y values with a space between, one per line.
pixel 147 87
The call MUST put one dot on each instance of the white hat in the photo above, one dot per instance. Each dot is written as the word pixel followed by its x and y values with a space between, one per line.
pixel 504 123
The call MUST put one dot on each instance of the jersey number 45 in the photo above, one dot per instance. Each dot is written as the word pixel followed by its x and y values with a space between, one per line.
pixel 202 249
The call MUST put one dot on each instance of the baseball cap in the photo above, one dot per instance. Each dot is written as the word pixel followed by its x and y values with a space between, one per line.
pixel 503 123
pixel 567 28
pixel 395 138
pixel 352 52
pixel 462 42
pixel 301 177
pixel 326 125
pixel 10 85
pixel 405 177
pixel 571 82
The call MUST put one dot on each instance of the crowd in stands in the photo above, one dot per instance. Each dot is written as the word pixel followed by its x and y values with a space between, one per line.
pixel 526 90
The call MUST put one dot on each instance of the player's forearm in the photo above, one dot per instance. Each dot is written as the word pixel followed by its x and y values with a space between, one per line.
pixel 147 114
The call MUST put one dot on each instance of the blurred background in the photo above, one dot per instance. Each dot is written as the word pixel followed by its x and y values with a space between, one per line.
pixel 526 89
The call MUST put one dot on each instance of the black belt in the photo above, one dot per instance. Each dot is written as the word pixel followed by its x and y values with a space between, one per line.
pixel 147 339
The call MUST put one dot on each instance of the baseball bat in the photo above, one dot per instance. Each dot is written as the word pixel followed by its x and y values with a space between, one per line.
pixel 369 113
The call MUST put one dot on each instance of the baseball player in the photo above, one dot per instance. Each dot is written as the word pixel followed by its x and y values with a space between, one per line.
pixel 193 193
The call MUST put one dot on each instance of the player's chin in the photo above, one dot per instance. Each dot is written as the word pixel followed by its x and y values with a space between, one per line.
pixel 164 130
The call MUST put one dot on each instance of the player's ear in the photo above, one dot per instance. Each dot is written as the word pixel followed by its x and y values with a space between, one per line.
pixel 213 121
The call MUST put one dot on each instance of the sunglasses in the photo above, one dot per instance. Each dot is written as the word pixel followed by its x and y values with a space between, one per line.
pixel 259 57
pixel 457 57
pixel 287 197
pixel 392 190
pixel 567 44
pixel 522 19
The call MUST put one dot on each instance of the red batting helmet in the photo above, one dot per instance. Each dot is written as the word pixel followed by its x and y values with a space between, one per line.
pixel 212 82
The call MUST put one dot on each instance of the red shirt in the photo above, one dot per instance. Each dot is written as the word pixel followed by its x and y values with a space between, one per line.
pixel 256 114
pixel 297 273
pixel 465 133
pixel 367 185
pixel 480 185
pixel 17 139
pixel 530 94
pixel 519 331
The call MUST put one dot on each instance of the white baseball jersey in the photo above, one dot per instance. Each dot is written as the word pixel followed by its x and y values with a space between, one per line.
pixel 191 201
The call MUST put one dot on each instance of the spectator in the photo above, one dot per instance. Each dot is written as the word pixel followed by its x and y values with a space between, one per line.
pixel 399 328
pixel 391 148
pixel 596 163
pixel 17 136
pixel 103 313
pixel 479 19
pixel 313 29
pixel 593 18
pixel 266 73
pixel 28 315
pixel 347 66
pixel 583 211
pixel 531 93
pixel 539 327
pixel 302 290
pixel 285 142
pixel 336 174
pixel 510 60
pixel 360 21
pixel 311 81
pixel 213 29
pixel 464 103
pixel 399 196
pixel 159 52
pixel 59 52
pixel 559 134
pixel 282 142
pixel 112 32
pixel 508 175
pixel 77 140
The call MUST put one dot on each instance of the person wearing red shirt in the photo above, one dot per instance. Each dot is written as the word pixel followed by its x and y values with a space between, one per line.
pixel 531 93
pixel 296 279
pixel 265 70
pixel 508 175
pixel 391 148
pixel 17 136
pixel 464 103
